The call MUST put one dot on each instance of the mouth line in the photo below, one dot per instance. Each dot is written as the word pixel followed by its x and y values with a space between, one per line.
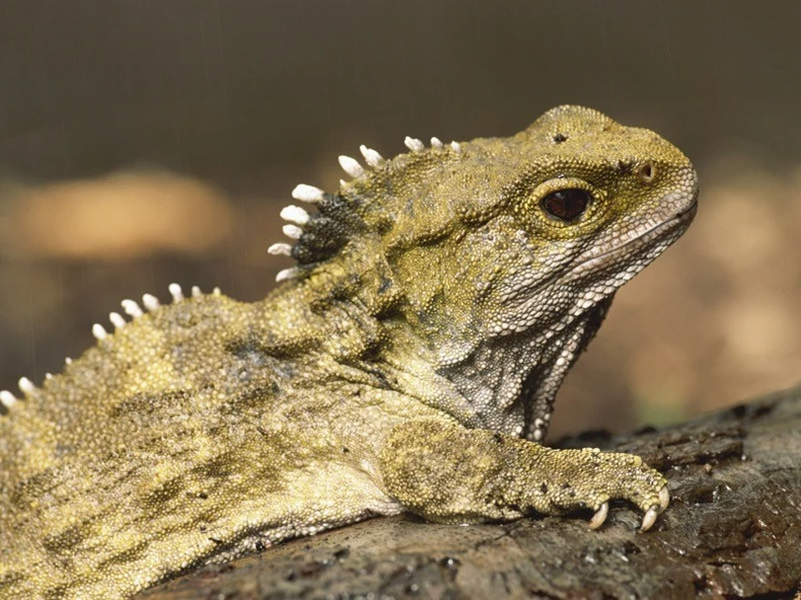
pixel 650 234
pixel 575 269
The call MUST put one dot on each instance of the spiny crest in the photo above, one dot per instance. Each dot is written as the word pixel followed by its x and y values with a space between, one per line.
pixel 318 236
pixel 131 308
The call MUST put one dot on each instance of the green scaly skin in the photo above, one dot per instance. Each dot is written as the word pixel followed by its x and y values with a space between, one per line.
pixel 409 363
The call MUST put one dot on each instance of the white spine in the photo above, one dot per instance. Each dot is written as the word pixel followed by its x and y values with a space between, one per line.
pixel 176 292
pixel 351 166
pixel 292 231
pixel 436 143
pixel 308 193
pixel 456 147
pixel 117 320
pixel 371 157
pixel 280 249
pixel 26 386
pixel 285 274
pixel 294 214
pixel 132 308
pixel 99 332
pixel 414 144
pixel 150 302
pixel 196 293
pixel 7 399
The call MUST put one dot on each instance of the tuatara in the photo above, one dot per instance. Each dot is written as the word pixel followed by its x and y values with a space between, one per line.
pixel 409 362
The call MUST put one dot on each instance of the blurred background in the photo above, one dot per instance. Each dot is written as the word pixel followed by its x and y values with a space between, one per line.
pixel 155 141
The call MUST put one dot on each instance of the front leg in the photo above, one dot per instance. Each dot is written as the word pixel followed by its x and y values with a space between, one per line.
pixel 447 473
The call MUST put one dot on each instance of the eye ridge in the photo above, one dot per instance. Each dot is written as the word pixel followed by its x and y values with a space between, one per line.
pixel 566 205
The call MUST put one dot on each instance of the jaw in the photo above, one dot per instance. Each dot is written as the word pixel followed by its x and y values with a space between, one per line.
pixel 638 249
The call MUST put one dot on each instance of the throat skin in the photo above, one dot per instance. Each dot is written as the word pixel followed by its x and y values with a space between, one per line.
pixel 508 381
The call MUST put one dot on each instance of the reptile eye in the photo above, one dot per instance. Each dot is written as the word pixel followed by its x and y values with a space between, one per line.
pixel 566 205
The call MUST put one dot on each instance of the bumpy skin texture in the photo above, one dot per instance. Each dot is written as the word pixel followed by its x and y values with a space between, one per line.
pixel 409 364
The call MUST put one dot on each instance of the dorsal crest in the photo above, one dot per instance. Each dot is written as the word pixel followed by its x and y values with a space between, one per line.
pixel 359 206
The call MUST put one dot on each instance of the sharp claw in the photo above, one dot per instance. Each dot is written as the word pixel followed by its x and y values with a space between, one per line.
pixel 649 519
pixel 600 516
pixel 664 498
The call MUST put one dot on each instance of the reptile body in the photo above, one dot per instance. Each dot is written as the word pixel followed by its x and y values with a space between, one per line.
pixel 408 362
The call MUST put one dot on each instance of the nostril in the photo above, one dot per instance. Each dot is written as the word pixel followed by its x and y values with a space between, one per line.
pixel 647 172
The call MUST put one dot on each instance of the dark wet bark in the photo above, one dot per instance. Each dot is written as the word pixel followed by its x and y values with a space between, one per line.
pixel 733 530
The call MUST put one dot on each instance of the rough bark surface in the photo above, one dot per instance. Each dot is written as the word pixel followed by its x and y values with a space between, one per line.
pixel 733 530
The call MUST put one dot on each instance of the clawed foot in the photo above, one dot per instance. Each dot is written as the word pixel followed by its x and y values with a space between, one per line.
pixel 648 520
pixel 567 480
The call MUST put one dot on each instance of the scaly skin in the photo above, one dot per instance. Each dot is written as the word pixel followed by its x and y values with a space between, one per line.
pixel 409 363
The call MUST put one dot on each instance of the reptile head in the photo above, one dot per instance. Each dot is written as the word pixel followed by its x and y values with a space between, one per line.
pixel 585 206
pixel 501 251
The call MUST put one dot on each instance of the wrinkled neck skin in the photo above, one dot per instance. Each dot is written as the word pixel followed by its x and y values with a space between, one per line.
pixel 511 381
pixel 502 333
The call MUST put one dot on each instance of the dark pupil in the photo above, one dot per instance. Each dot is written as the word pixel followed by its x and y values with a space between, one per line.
pixel 566 205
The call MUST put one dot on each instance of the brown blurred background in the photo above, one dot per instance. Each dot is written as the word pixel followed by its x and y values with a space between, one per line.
pixel 155 141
